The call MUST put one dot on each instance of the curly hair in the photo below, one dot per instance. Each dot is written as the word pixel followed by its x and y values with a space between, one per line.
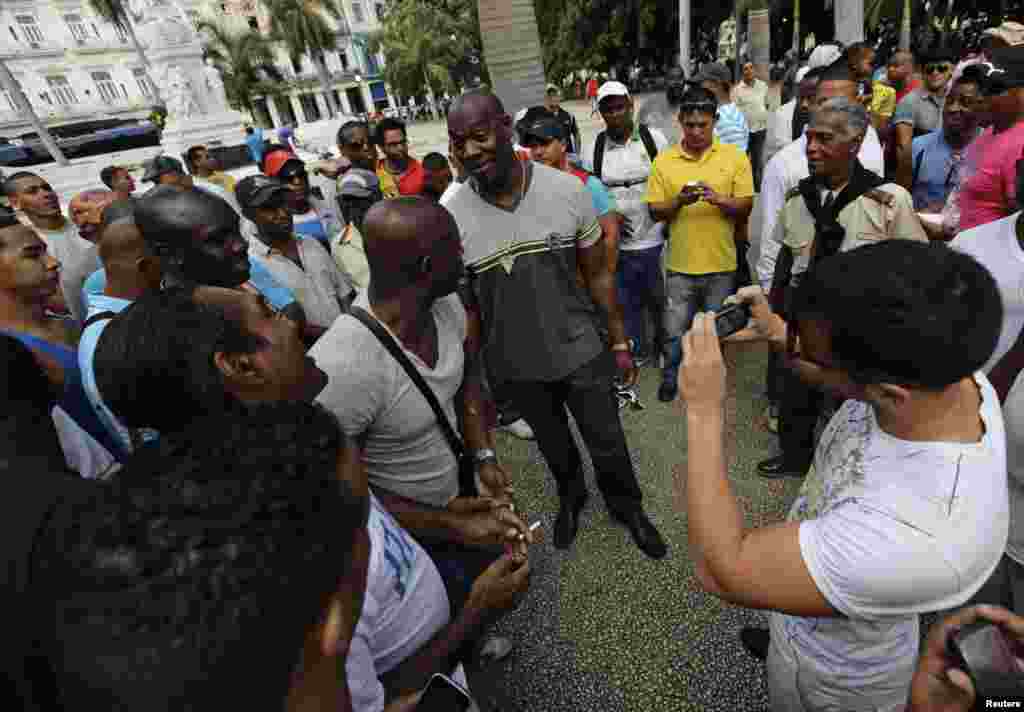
pixel 191 579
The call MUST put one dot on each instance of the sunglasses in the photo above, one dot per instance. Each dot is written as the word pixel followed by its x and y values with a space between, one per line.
pixel 929 68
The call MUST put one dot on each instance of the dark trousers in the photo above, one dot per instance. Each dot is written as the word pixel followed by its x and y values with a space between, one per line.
pixel 641 285
pixel 587 392
pixel 798 416
pixel 754 149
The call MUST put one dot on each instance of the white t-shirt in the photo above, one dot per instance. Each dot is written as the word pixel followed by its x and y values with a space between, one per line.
pixel 404 607
pixel 890 529
pixel 995 246
pixel 1013 413
pixel 370 393
pixel 626 163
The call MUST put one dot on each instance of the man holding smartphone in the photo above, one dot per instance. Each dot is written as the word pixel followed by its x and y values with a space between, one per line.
pixel 702 188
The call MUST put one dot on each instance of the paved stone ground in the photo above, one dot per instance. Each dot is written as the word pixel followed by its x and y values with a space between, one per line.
pixel 603 627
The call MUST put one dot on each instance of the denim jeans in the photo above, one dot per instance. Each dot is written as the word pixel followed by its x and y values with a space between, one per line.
pixel 689 294
pixel 641 285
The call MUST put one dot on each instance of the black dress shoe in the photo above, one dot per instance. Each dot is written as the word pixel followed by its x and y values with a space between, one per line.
pixel 756 641
pixel 644 533
pixel 780 466
pixel 568 521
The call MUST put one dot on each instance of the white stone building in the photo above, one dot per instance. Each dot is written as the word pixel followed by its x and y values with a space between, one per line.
pixel 355 73
pixel 73 66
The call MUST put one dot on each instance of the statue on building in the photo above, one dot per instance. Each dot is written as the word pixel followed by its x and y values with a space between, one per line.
pixel 217 100
pixel 179 95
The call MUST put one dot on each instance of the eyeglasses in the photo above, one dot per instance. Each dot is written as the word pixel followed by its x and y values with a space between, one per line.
pixel 929 68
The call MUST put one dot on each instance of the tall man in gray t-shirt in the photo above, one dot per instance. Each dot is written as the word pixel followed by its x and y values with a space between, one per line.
pixel 525 227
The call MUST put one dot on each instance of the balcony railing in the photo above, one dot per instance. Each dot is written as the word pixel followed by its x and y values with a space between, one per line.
pixel 94 45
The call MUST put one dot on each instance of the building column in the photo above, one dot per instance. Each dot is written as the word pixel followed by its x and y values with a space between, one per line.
pixel 321 103
pixel 368 97
pixel 275 118
pixel 684 37
pixel 392 102
pixel 345 107
pixel 300 115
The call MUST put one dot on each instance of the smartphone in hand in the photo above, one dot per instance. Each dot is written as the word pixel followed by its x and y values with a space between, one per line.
pixel 731 319
pixel 987 655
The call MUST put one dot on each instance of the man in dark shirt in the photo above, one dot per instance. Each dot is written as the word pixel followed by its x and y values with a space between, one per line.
pixel 553 108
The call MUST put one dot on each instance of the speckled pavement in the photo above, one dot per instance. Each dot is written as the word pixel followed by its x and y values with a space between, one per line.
pixel 605 628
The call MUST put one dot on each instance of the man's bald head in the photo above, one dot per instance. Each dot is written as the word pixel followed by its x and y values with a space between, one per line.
pixel 478 99
pixel 195 234
pixel 411 241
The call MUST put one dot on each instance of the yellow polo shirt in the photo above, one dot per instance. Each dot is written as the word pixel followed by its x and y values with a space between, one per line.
pixel 701 235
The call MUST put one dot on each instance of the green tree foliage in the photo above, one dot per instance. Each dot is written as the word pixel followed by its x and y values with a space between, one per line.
pixel 245 61
pixel 301 25
pixel 424 40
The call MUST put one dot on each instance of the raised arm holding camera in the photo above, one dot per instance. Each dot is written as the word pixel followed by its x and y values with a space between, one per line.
pixel 912 459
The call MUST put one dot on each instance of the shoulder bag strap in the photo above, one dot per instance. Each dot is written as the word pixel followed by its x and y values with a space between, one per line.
pixel 101 316
pixel 388 342
pixel 599 154
pixel 648 139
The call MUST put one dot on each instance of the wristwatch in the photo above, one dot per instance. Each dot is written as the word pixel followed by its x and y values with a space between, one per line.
pixel 484 455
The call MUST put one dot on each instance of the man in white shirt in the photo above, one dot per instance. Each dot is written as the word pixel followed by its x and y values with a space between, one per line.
pixel 37 205
pixel 905 511
pixel 750 95
pixel 999 246
pixel 298 262
pixel 623 164
pixel 786 124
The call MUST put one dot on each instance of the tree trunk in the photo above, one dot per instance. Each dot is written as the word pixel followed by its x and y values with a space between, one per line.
pixel 431 99
pixel 141 51
pixel 905 26
pixel 325 82
pixel 512 52
pixel 797 47
pixel 21 101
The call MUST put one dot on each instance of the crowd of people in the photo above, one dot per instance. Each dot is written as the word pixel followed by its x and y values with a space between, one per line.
pixel 253 428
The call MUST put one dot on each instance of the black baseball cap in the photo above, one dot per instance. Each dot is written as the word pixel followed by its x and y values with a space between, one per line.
pixel 258 190
pixel 160 165
pixel 544 129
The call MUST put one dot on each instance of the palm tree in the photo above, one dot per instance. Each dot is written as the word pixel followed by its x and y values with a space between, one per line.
pixel 13 89
pixel 301 26
pixel 245 61
pixel 512 50
pixel 116 13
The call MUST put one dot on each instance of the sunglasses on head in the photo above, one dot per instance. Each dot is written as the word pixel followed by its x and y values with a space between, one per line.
pixel 940 67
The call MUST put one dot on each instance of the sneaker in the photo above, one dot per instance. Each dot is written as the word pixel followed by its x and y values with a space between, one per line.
pixel 518 428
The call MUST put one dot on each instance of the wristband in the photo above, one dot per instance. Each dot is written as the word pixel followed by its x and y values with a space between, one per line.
pixel 623 346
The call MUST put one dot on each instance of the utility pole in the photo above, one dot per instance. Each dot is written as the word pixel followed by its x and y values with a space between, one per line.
pixel 684 37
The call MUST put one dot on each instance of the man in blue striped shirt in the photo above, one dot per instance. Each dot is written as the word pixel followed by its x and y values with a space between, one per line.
pixel 730 126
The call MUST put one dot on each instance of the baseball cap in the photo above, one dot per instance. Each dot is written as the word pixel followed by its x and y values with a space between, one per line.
pixel 714 72
pixel 160 165
pixel 276 161
pixel 544 129
pixel 255 191
pixel 611 89
pixel 359 183
pixel 824 55
pixel 1012 33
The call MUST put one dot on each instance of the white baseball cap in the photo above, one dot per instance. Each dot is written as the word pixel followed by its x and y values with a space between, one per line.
pixel 611 89
pixel 824 55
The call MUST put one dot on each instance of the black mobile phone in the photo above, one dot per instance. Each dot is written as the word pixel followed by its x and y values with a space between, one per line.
pixel 442 694
pixel 732 319
pixel 987 656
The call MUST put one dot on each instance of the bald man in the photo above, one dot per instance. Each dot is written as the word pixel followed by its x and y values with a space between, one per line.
pixel 527 228
pixel 415 257
pixel 86 210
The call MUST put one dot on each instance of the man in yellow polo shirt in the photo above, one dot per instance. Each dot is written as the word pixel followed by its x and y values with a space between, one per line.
pixel 702 189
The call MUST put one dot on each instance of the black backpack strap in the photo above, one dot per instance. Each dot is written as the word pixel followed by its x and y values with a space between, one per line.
pixel 599 154
pixel 648 139
pixel 388 342
pixel 100 316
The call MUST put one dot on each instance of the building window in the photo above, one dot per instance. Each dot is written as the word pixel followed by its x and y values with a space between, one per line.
pixel 343 58
pixel 144 83
pixel 78 29
pixel 371 64
pixel 357 12
pixel 309 107
pixel 254 23
pixel 29 28
pixel 62 91
pixel 379 8
pixel 105 85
